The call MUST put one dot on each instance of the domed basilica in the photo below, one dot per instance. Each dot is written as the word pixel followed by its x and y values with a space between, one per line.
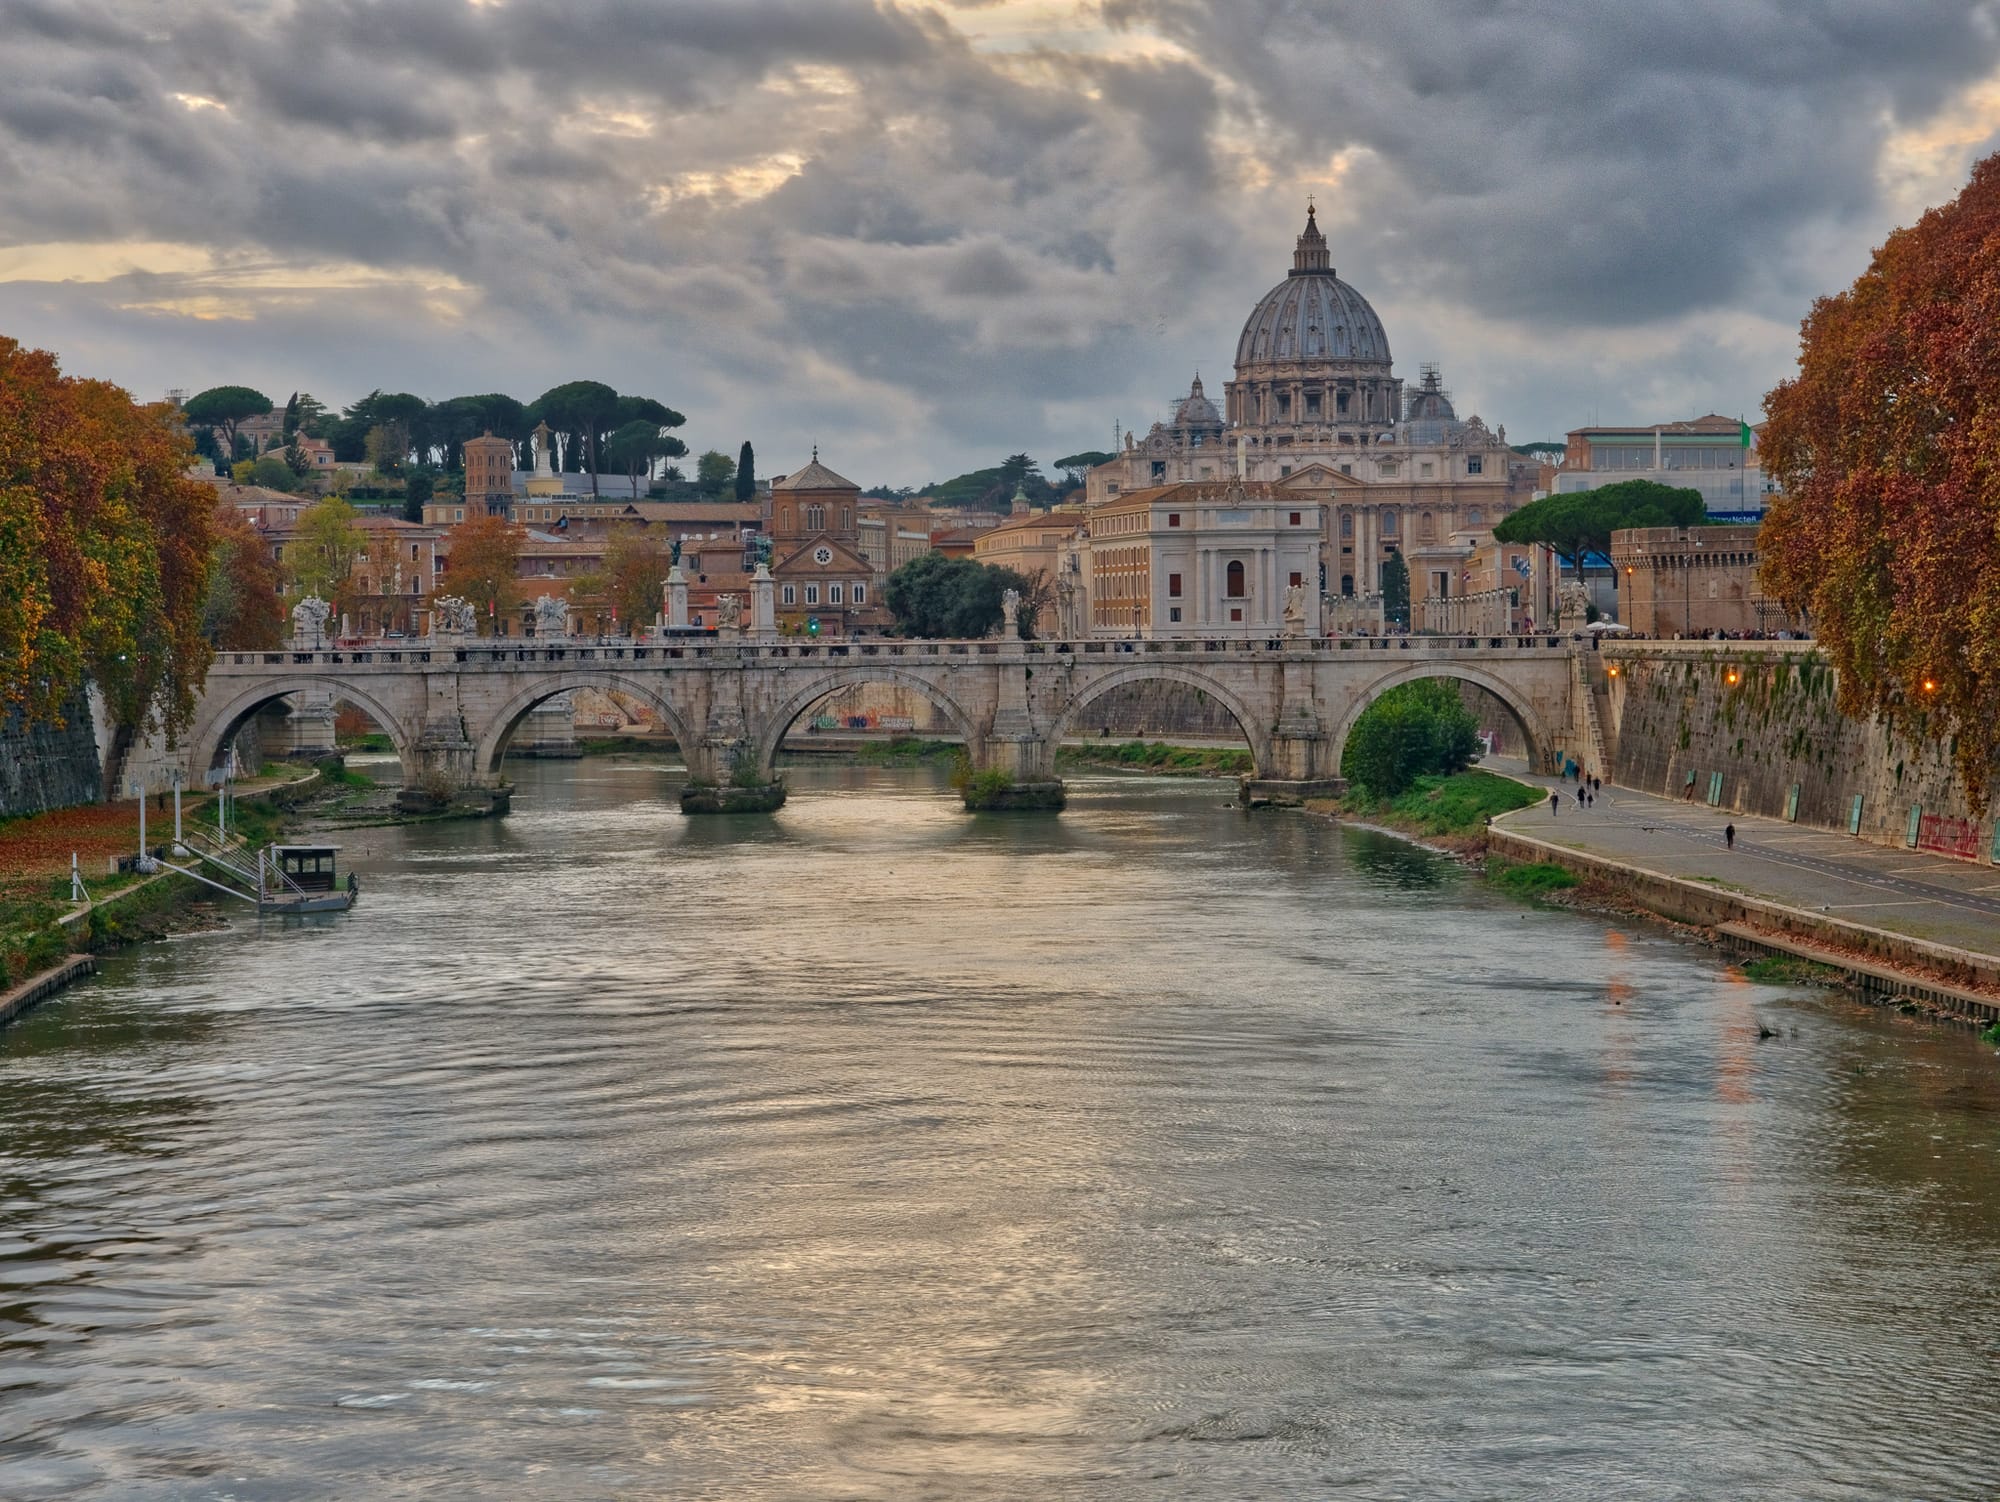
pixel 1317 409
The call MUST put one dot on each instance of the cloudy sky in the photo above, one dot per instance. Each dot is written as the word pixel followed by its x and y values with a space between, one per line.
pixel 924 235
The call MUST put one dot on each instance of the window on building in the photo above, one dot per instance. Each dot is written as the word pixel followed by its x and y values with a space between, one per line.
pixel 1296 578
pixel 1236 613
pixel 1174 585
pixel 1295 519
pixel 1312 404
pixel 1427 527
pixel 812 594
pixel 861 594
pixel 1475 517
pixel 1173 518
pixel 1425 469
pixel 1387 469
pixel 1347 586
pixel 1475 466
pixel 1284 404
pixel 791 594
pixel 1173 612
pixel 1346 524
pixel 1340 403
pixel 1283 470
pixel 1234 588
pixel 815 518
pixel 413 552
pixel 1347 469
pixel 1389 523
pixel 1159 469
pixel 458 513
pixel 833 594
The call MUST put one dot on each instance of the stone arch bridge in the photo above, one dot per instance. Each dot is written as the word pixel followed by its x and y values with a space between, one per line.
pixel 451 708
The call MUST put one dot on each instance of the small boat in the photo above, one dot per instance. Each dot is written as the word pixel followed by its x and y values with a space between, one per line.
pixel 303 879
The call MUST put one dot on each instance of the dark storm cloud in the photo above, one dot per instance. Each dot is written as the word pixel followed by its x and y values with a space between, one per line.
pixel 1589 163
pixel 839 216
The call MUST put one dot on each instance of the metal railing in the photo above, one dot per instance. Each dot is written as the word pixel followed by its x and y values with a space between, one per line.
pixel 871 649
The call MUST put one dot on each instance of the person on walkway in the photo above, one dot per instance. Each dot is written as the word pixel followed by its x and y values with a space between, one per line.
pixel 1579 795
pixel 1729 836
pixel 1555 804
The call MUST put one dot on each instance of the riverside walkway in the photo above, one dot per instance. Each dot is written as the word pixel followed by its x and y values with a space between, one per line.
pixel 1926 897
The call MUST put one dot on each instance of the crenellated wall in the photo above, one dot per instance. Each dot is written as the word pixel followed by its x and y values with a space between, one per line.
pixel 1763 715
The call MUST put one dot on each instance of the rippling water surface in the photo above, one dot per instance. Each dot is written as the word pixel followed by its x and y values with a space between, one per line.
pixel 878 1151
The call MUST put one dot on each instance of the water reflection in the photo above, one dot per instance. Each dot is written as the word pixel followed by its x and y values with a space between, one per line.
pixel 873 1149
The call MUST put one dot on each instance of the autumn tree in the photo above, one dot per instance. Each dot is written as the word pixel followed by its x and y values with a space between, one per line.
pixel 483 565
pixel 242 612
pixel 105 549
pixel 320 558
pixel 636 561
pixel 1887 448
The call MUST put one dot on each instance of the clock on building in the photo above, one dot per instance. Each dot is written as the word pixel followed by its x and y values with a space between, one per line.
pixel 822 556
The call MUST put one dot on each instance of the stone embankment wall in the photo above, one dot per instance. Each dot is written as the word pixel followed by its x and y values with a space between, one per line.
pixel 1763 716
pixel 45 766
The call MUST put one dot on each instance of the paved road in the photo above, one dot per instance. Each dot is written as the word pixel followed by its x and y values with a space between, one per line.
pixel 1925 896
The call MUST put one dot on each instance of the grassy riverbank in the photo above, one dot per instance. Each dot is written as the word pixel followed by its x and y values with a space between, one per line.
pixel 1159 758
pixel 1451 809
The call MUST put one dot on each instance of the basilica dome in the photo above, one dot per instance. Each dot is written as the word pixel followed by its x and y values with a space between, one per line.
pixel 1312 315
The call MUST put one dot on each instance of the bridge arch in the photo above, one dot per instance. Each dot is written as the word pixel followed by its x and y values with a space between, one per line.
pixel 491 738
pixel 214 729
pixel 797 701
pixel 1257 735
pixel 1522 710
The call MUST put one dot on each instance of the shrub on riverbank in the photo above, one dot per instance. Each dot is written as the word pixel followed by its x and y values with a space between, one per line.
pixel 1414 730
pixel 1788 970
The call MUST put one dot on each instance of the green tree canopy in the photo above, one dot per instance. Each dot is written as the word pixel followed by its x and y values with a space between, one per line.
pixel 321 558
pixel 1582 521
pixel 221 408
pixel 1419 729
pixel 588 410
pixel 1396 591
pixel 634 447
pixel 714 472
pixel 1073 465
pixel 935 596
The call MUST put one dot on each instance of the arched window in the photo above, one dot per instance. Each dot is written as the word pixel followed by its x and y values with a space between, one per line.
pixel 1347 585
pixel 1475 517
pixel 1234 588
pixel 815 518
pixel 1389 522
pixel 1346 525
pixel 1427 527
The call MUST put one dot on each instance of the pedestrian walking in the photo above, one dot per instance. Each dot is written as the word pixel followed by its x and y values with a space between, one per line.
pixel 1579 795
pixel 1555 804
pixel 1729 836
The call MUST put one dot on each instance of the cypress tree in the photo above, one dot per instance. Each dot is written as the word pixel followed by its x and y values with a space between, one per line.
pixel 746 473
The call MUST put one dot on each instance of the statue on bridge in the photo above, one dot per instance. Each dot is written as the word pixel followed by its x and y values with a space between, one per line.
pixel 551 616
pixel 309 623
pixel 1295 610
pixel 453 616
pixel 729 613
pixel 1010 613
pixel 1572 600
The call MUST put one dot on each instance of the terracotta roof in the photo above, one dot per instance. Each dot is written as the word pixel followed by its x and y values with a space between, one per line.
pixel 815 476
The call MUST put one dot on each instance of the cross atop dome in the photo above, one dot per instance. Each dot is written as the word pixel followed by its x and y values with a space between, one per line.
pixel 1312 257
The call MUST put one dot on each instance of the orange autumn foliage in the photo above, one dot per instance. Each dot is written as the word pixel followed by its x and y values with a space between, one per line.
pixel 1888 447
pixel 105 548
pixel 481 567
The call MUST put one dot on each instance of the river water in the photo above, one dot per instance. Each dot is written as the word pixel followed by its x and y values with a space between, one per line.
pixel 875 1150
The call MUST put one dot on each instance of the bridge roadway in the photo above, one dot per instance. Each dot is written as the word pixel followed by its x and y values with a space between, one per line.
pixel 451 705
